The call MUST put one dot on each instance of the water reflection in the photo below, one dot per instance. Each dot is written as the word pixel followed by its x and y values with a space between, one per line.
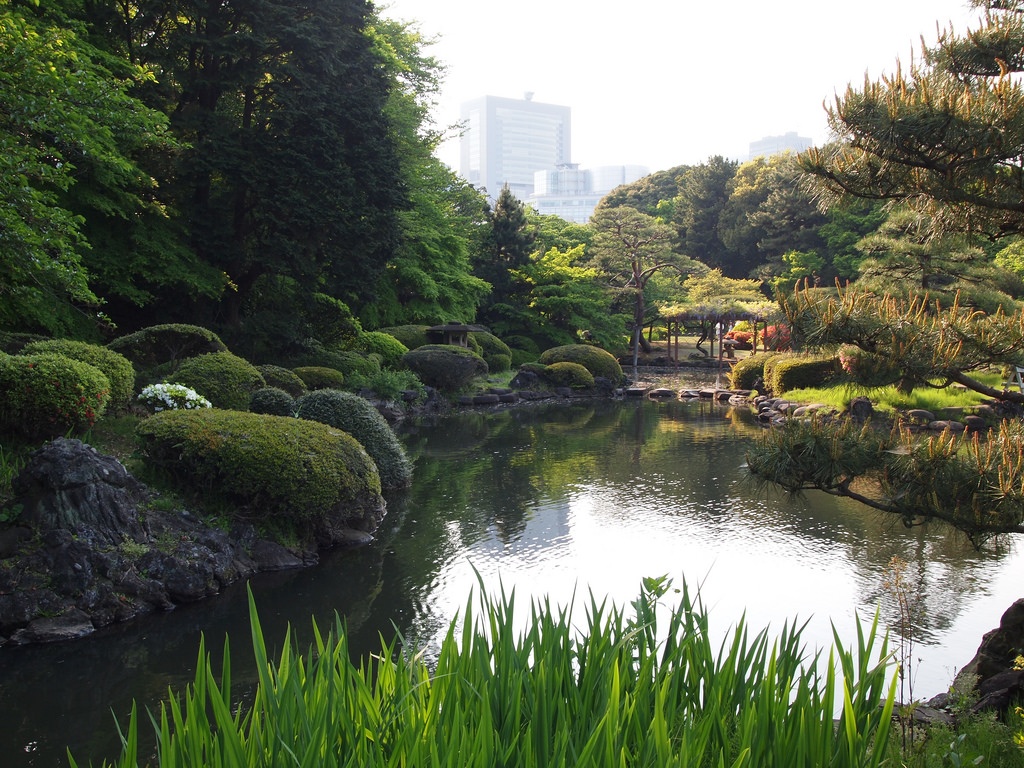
pixel 550 501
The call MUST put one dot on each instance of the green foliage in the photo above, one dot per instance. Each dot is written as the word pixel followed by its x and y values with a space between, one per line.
pixel 319 377
pixel 521 356
pixel 746 371
pixel 346 361
pixel 116 367
pixel 226 380
pixel 411 336
pixel 653 686
pixel 282 378
pixel 568 375
pixel 594 359
pixel 493 350
pixel 332 322
pixel 787 372
pixel 446 367
pixel 358 417
pixel 384 344
pixel 272 401
pixel 267 468
pixel 389 385
pixel 47 395
pixel 166 346
pixel 13 343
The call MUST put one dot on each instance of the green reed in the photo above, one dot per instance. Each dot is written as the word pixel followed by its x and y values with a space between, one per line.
pixel 647 688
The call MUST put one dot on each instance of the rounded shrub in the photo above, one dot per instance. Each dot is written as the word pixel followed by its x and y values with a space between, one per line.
pixel 273 401
pixel 12 343
pixel 495 352
pixel 318 377
pixel 446 367
pixel 282 378
pixel 46 395
pixel 358 417
pixel 346 361
pixel 269 468
pixel 568 375
pixel 117 368
pixel 387 346
pixel 412 336
pixel 747 371
pixel 594 359
pixel 226 380
pixel 789 372
pixel 166 346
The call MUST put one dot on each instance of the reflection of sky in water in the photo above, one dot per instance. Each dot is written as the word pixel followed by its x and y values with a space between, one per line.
pixel 744 561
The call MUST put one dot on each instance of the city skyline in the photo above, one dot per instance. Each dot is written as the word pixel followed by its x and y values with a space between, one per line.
pixel 672 83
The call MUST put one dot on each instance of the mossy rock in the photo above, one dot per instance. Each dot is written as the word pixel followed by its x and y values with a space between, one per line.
pixel 46 395
pixel 275 470
pixel 115 366
pixel 387 346
pixel 282 378
pixel 594 359
pixel 444 366
pixel 166 346
pixel 571 375
pixel 359 418
pixel 319 377
pixel 226 380
pixel 272 401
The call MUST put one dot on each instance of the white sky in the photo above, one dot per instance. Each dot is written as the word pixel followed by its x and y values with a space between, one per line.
pixel 669 82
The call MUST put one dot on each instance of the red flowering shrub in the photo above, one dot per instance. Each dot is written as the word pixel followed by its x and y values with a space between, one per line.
pixel 47 395
pixel 777 337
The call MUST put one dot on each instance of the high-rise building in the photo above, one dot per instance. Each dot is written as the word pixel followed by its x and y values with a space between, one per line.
pixel 572 193
pixel 506 141
pixel 774 145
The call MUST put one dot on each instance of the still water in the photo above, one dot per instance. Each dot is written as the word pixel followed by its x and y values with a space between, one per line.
pixel 548 501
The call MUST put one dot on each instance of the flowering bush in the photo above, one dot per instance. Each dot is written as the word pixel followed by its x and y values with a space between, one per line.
pixel 777 337
pixel 868 369
pixel 45 395
pixel 171 397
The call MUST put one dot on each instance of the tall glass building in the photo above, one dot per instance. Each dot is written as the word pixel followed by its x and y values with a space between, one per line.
pixel 506 141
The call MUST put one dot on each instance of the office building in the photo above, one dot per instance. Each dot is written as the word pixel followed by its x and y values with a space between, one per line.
pixel 572 193
pixel 506 141
pixel 774 145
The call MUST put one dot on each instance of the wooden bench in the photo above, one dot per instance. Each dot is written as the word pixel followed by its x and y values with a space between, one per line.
pixel 1016 379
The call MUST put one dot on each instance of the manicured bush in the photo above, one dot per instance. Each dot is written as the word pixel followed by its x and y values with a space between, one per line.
pixel 346 361
pixel 13 343
pixel 537 368
pixel 226 380
pixel 117 368
pixel 282 378
pixel 412 336
pixel 389 385
pixel 47 395
pixel 332 322
pixel 568 375
pixel 521 356
pixel 594 359
pixel 746 371
pixel 359 418
pixel 318 377
pixel 496 353
pixel 273 401
pixel 769 370
pixel 166 346
pixel 387 346
pixel 446 367
pixel 269 468
pixel 801 371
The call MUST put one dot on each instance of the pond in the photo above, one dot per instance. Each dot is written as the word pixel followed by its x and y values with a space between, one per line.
pixel 549 501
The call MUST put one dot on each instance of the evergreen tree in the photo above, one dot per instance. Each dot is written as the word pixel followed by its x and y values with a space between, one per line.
pixel 506 246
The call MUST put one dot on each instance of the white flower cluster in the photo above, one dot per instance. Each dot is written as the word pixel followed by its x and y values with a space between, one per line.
pixel 172 397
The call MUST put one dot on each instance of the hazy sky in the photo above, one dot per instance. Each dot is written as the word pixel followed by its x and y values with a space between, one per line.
pixel 666 82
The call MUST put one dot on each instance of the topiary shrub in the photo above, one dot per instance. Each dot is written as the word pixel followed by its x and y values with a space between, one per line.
pixel 226 380
pixel 12 343
pixel 166 346
pixel 387 346
pixel 568 375
pixel 446 367
pixel 495 352
pixel 346 361
pixel 278 471
pixel 115 366
pixel 47 395
pixel 389 385
pixel 522 356
pixel 359 418
pixel 790 372
pixel 282 378
pixel 594 359
pixel 273 401
pixel 331 322
pixel 747 371
pixel 318 377
pixel 412 336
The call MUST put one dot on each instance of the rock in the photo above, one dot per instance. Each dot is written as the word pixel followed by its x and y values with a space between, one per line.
pixel 271 556
pixel 1000 646
pixel 486 399
pixel 525 380
pixel 974 423
pixel 69 625
pixel 662 393
pixel 722 395
pixel 861 409
pixel 919 416
pixel 942 424
pixel 636 391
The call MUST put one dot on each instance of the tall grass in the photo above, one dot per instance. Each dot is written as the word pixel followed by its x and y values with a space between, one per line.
pixel 890 398
pixel 644 689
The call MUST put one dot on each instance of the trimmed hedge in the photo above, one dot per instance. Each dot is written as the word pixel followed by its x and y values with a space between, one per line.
pixel 387 346
pixel 46 395
pixel 273 401
pixel 412 336
pixel 444 366
pixel 282 378
pixel 596 360
pixel 319 377
pixel 568 375
pixel 224 379
pixel 115 366
pixel 270 468
pixel 746 371
pixel 496 353
pixel 789 372
pixel 166 345
pixel 359 418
